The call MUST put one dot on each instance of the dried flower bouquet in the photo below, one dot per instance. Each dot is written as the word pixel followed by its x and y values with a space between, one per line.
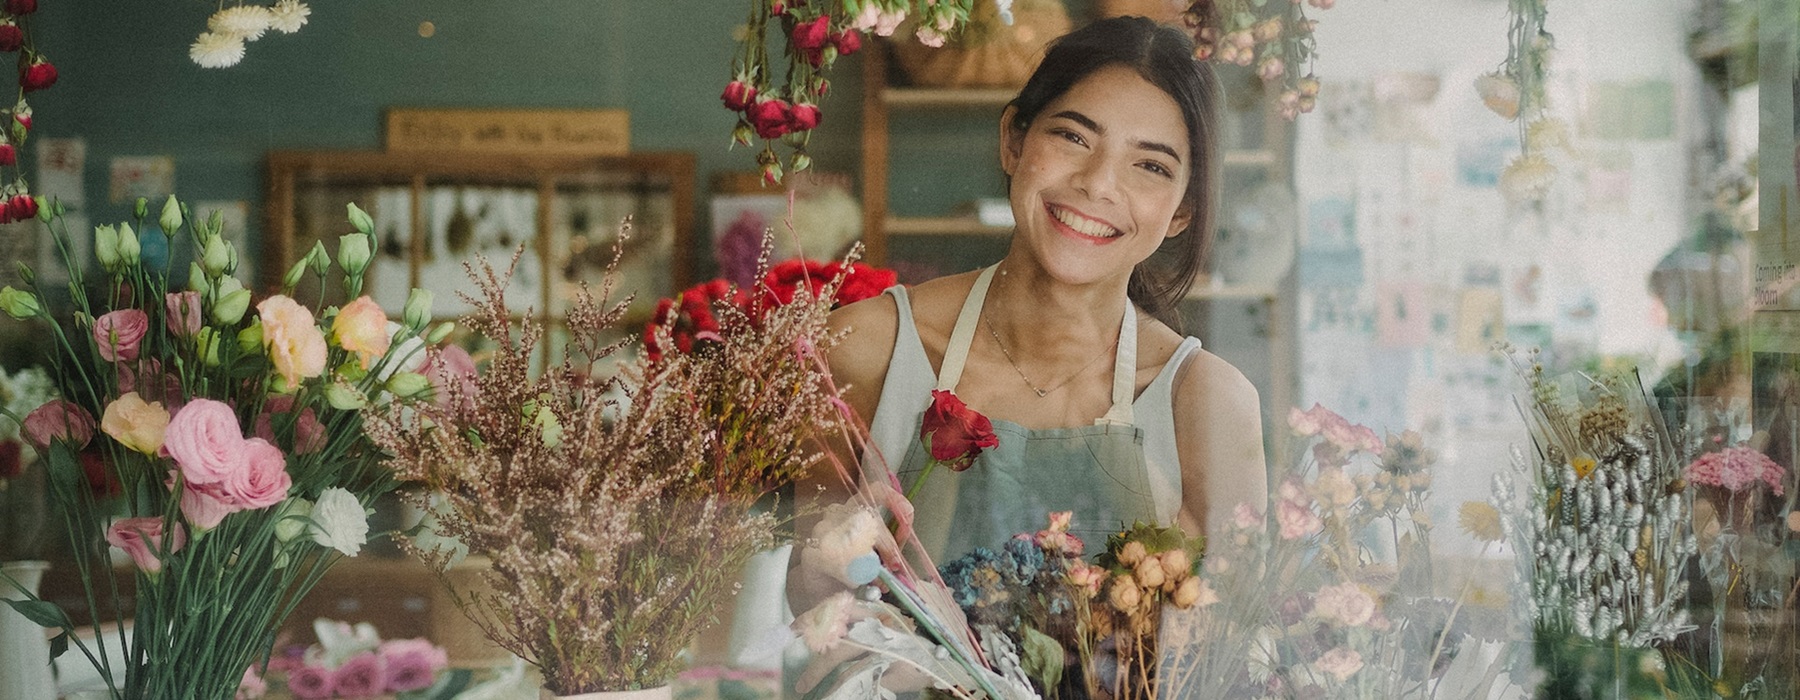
pixel 615 510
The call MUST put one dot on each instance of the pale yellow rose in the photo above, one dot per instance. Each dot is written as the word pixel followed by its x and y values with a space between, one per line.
pixel 135 423
pixel 361 328
pixel 295 345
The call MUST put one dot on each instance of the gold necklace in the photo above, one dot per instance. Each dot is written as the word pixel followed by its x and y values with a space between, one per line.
pixel 988 321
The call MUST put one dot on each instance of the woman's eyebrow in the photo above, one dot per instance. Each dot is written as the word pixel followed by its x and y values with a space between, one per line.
pixel 1091 125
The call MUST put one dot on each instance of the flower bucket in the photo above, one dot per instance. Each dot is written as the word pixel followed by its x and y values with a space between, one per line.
pixel 24 651
pixel 659 693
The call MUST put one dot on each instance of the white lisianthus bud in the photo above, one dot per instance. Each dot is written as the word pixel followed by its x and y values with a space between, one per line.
pixel 171 216
pixel 294 519
pixel 106 247
pixel 197 281
pixel 129 251
pixel 344 397
pixel 318 259
pixel 417 312
pixel 19 304
pixel 250 340
pixel 232 302
pixel 292 279
pixel 354 253
pixel 217 259
pixel 408 385
pixel 207 342
pixel 442 331
pixel 360 219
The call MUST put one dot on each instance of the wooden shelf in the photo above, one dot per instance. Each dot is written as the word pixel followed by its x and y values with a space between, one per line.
pixel 942 226
pixel 948 97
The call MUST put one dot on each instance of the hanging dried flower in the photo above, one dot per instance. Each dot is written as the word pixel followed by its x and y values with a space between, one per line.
pixel 1527 178
pixel 288 16
pixel 245 21
pixel 213 50
pixel 1500 94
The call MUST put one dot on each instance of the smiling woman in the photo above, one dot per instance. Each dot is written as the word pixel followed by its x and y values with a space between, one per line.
pixel 1110 157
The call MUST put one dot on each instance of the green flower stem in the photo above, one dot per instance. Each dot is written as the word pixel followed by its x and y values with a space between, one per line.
pixel 913 490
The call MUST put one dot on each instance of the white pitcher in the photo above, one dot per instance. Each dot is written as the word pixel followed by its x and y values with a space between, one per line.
pixel 24 650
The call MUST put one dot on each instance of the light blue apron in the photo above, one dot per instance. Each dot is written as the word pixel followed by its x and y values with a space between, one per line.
pixel 1096 471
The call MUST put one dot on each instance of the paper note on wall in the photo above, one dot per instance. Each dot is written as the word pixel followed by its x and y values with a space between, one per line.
pixel 1480 319
pixel 60 164
pixel 152 177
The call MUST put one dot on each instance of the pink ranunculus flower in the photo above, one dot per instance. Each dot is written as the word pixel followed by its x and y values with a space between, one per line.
pixel 292 338
pixel 183 313
pixel 59 419
pixel 263 480
pixel 363 675
pixel 308 682
pixel 205 440
pixel 361 328
pixel 412 664
pixel 1297 520
pixel 309 433
pixel 136 423
pixel 144 540
pixel 118 334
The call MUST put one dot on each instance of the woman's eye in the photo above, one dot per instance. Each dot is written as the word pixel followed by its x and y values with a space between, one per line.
pixel 1070 136
pixel 1158 168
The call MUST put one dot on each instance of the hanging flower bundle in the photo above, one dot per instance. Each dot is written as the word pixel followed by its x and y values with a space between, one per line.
pixel 784 108
pixel 1515 91
pixel 229 29
pixel 1273 38
pixel 35 73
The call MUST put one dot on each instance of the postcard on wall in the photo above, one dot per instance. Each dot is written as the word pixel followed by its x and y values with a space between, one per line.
pixel 1402 319
pixel 1480 319
pixel 60 164
pixel 141 176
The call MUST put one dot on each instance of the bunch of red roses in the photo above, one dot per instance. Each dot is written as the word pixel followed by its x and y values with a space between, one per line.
pixel 693 316
pixel 35 73
pixel 817 33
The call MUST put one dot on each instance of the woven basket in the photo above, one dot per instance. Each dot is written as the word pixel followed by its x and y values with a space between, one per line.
pixel 1165 11
pixel 988 54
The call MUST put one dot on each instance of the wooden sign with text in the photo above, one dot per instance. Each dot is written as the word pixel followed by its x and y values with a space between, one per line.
pixel 584 132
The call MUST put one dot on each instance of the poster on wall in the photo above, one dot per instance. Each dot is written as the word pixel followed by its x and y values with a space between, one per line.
pixel 140 176
pixel 60 164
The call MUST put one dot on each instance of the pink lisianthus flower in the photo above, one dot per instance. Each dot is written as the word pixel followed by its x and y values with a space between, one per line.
pixel 118 334
pixel 182 313
pixel 252 686
pixel 295 345
pixel 263 480
pixel 145 542
pixel 309 433
pixel 361 328
pixel 452 374
pixel 204 506
pixel 363 675
pixel 59 419
pixel 205 441
pixel 412 664
pixel 137 424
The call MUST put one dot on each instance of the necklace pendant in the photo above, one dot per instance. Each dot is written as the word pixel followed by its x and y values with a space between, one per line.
pixel 1040 392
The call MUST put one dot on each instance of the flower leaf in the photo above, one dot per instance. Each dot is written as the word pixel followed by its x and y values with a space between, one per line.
pixel 43 612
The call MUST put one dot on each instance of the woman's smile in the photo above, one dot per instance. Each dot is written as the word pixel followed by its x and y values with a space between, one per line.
pixel 1081 227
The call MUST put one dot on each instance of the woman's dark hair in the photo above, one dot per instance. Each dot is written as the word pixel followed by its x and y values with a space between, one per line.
pixel 1164 56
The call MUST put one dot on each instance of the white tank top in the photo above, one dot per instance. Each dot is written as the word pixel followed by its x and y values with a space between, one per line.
pixel 907 392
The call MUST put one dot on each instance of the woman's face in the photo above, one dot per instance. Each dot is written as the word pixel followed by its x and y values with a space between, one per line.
pixel 1099 176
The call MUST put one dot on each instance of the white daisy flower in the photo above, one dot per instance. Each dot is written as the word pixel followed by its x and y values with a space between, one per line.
pixel 246 21
pixel 288 16
pixel 213 50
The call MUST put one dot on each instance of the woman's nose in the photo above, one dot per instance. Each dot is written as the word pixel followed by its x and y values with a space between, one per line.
pixel 1096 179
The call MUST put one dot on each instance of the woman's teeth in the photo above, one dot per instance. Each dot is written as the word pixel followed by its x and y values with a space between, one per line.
pixel 1084 226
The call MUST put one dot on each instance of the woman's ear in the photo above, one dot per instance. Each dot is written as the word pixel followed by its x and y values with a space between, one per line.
pixel 1012 141
pixel 1184 217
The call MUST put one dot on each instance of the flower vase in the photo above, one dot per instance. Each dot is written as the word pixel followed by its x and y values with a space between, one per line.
pixel 659 693
pixel 24 650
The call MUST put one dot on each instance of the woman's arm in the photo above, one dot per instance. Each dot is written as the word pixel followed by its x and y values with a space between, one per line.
pixel 859 364
pixel 1218 433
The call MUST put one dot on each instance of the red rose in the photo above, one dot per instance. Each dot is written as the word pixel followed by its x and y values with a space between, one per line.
pixel 810 38
pixel 24 117
pixel 38 76
pixel 783 282
pixel 23 207
pixel 8 154
pixel 11 37
pixel 769 118
pixel 777 7
pixel 847 42
pixel 863 282
pixel 955 433
pixel 738 96
pixel 804 117
pixel 21 7
pixel 6 215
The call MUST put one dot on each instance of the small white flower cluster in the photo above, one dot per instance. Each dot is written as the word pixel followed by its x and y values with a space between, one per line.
pixel 20 394
pixel 1602 547
pixel 222 44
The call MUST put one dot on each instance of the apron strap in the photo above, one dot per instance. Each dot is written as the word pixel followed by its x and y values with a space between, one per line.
pixel 956 354
pixel 1124 371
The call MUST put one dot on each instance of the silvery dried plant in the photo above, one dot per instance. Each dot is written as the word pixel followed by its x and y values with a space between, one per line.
pixel 614 511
